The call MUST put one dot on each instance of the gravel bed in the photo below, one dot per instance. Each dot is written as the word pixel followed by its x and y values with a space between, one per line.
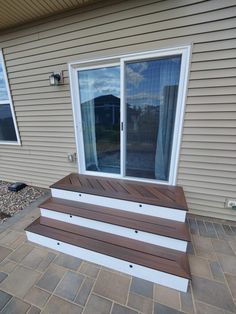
pixel 12 202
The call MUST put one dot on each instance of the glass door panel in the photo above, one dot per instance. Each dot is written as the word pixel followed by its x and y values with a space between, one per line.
pixel 151 89
pixel 99 91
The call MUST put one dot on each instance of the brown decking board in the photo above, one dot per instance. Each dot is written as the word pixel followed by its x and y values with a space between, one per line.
pixel 146 193
pixel 148 255
pixel 160 226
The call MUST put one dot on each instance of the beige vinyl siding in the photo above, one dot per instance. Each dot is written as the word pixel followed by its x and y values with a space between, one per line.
pixel 11 15
pixel 207 165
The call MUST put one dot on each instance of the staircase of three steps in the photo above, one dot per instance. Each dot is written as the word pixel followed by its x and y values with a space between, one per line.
pixel 135 228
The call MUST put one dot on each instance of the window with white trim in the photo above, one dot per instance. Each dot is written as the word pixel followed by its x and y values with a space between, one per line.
pixel 8 128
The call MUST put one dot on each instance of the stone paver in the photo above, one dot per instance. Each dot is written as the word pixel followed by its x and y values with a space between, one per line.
pixel 186 300
pixel 2 276
pixel 163 309
pixel 142 287
pixel 37 297
pixel 4 252
pixel 18 255
pixel 222 246
pixel 213 293
pixel 67 261
pixel 20 281
pixel 69 285
pixel 203 247
pixel 47 260
pixel 50 278
pixel 34 258
pixel 98 305
pixel 34 310
pixel 216 271
pixel 16 306
pixel 232 284
pixel 120 309
pixel 12 239
pixel 228 263
pixel 232 244
pixel 220 231
pixel 199 267
pixel 210 229
pixel 140 303
pixel 89 269
pixel 84 291
pixel 4 299
pixel 167 296
pixel 8 266
pixel 57 305
pixel 112 286
pixel 34 279
pixel 203 308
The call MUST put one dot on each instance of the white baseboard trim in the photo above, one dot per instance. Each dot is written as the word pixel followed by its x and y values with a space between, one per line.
pixel 151 210
pixel 142 272
pixel 155 239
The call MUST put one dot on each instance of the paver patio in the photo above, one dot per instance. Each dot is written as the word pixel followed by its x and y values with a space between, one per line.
pixel 35 279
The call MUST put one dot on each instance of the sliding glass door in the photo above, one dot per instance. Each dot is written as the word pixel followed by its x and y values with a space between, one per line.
pixel 151 89
pixel 130 114
pixel 99 92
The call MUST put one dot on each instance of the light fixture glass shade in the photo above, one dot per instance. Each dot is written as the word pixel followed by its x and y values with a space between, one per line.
pixel 54 79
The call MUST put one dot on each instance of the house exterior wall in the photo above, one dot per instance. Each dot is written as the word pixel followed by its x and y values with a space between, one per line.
pixel 207 166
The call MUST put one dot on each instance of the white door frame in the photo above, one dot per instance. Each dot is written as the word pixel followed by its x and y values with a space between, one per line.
pixel 120 60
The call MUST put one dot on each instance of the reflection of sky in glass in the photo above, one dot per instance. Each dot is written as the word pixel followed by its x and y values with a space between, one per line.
pixel 3 90
pixel 145 80
pixel 99 82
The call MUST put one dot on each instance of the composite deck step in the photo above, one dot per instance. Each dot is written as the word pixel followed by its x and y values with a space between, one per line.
pixel 134 191
pixel 140 253
pixel 138 222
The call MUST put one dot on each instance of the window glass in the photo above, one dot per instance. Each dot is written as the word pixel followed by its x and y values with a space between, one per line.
pixel 100 108
pixel 151 97
pixel 7 127
pixel 3 88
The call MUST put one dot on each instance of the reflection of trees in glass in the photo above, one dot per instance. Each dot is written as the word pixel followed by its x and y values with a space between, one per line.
pixel 142 123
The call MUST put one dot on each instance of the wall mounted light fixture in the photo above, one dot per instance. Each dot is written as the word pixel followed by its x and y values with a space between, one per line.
pixel 56 78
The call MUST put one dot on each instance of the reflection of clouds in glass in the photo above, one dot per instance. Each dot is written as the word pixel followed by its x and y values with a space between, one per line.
pixel 146 81
pixel 144 95
pixel 132 76
pixel 140 67
pixel 134 72
pixel 143 98
pixel 3 91
pixel 102 81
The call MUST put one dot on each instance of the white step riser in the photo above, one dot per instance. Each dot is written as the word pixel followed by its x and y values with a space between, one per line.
pixel 117 230
pixel 142 272
pixel 151 210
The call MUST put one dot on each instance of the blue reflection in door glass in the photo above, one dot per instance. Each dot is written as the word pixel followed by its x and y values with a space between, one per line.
pixel 7 128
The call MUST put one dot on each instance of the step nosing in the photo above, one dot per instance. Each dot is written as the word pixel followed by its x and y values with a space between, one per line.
pixel 185 275
pixel 161 233
pixel 45 226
